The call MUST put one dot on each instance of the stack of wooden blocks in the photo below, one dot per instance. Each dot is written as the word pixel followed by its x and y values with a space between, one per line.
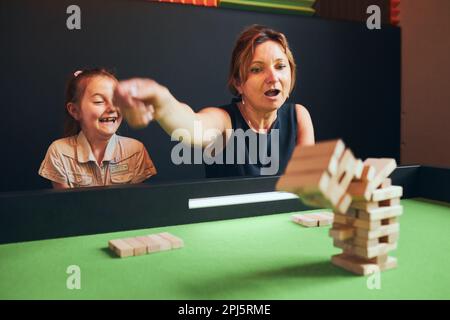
pixel 366 206
pixel 145 244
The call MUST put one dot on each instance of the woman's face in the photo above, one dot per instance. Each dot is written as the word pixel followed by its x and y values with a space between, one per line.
pixel 269 78
pixel 98 117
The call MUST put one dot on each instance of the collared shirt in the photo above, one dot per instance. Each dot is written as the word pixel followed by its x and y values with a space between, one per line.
pixel 72 162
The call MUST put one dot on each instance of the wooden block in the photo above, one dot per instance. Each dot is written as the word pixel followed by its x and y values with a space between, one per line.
pixel 340 182
pixel 332 148
pixel 387 221
pixel 304 220
pixel 362 266
pixel 386 183
pixel 387 193
pixel 392 238
pixel 139 248
pixel 380 213
pixel 383 168
pixel 121 248
pixel 151 246
pixel 379 259
pixel 366 252
pixel 341 232
pixel 390 202
pixel 175 241
pixel 313 219
pixel 367 224
pixel 352 212
pixel 359 190
pixel 301 166
pixel 344 203
pixel 343 219
pixel 361 242
pixel 163 243
pixel 368 173
pixel 364 205
pixel 359 168
pixel 324 218
pixel 378 233
pixel 314 182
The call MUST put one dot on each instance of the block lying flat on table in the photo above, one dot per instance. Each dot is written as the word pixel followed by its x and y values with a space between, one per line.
pixel 139 247
pixel 164 244
pixel 313 219
pixel 121 248
pixel 145 244
pixel 175 241
pixel 151 246
pixel 362 266
pixel 387 193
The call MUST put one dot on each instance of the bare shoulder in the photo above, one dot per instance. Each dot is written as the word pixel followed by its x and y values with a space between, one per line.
pixel 302 111
pixel 305 134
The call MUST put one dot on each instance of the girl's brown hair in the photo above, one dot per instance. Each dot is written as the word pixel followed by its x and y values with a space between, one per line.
pixel 76 85
pixel 244 50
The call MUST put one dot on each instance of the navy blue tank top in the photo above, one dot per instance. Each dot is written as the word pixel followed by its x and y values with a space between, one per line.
pixel 248 153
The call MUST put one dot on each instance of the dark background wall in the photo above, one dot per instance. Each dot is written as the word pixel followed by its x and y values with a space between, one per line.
pixel 348 76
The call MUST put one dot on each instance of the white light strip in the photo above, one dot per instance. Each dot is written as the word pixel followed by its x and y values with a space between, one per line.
pixel 240 199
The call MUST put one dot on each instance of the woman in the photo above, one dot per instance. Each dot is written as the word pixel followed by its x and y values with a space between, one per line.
pixel 262 76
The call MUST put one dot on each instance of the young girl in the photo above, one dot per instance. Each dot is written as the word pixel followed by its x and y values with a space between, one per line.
pixel 91 154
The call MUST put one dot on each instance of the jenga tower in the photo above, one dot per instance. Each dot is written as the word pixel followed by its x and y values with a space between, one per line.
pixel 370 229
pixel 365 205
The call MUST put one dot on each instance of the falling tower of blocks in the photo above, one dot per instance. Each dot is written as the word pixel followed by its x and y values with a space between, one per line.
pixel 365 204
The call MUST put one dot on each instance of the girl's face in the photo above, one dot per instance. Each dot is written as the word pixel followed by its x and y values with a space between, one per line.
pixel 269 78
pixel 98 117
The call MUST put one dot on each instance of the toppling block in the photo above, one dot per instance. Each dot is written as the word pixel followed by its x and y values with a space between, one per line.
pixel 320 174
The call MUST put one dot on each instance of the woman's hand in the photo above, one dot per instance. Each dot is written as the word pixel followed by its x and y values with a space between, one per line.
pixel 136 99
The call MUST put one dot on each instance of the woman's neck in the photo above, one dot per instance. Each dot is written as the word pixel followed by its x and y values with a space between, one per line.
pixel 258 121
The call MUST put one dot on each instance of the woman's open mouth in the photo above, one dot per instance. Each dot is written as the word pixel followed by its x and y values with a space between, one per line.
pixel 272 93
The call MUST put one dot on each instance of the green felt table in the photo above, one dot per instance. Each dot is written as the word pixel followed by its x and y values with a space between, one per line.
pixel 265 257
